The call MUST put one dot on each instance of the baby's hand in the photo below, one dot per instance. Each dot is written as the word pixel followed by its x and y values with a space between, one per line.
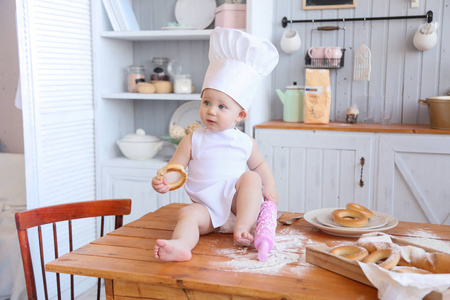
pixel 271 194
pixel 161 186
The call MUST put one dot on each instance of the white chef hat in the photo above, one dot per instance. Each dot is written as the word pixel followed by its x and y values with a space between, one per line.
pixel 238 61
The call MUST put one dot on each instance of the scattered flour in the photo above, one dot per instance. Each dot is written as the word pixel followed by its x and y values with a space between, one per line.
pixel 439 245
pixel 289 248
pixel 425 234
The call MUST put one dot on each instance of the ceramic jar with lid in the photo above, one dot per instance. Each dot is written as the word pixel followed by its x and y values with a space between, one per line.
pixel 139 146
pixel 136 74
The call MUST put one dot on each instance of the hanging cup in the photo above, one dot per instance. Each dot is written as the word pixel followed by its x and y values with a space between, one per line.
pixel 425 37
pixel 290 41
pixel 333 55
pixel 317 52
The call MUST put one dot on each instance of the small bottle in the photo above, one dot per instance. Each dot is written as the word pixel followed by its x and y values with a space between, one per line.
pixel 352 113
pixel 183 84
pixel 135 75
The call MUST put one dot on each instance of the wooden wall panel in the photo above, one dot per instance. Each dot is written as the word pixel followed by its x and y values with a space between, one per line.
pixel 398 68
pixel 297 180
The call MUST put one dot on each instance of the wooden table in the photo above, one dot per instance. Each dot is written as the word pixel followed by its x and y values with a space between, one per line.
pixel 125 259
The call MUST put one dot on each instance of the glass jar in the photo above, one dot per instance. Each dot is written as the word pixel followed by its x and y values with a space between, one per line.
pixel 160 69
pixel 135 75
pixel 183 84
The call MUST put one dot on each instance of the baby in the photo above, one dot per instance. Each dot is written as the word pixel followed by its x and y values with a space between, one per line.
pixel 228 176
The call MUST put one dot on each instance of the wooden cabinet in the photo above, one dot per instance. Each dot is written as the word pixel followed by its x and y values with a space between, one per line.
pixel 315 169
pixel 405 173
pixel 413 177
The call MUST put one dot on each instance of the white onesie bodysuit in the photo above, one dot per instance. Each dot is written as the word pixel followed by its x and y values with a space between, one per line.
pixel 218 161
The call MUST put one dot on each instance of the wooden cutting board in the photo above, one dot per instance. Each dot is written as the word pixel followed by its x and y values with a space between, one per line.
pixel 320 256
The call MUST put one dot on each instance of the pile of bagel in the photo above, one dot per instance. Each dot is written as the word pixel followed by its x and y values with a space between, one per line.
pixel 393 257
pixel 353 216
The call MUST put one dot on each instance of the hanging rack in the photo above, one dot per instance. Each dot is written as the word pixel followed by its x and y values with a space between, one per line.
pixel 428 16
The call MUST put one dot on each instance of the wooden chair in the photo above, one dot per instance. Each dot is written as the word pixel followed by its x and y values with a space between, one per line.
pixel 57 213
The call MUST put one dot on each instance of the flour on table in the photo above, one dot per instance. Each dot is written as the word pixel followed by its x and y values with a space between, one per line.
pixel 425 234
pixel 289 248
pixel 438 245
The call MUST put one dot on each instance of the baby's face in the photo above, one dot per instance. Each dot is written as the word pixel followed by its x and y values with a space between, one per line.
pixel 219 111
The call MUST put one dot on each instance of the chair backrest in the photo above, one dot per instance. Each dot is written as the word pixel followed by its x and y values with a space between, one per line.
pixel 58 213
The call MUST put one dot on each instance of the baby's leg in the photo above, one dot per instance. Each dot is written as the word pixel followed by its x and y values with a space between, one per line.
pixel 246 205
pixel 193 220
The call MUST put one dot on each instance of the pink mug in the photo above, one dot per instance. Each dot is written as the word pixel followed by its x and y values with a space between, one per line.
pixel 316 52
pixel 333 55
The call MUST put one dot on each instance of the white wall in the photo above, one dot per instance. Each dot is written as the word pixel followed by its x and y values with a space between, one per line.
pixel 11 136
pixel 398 68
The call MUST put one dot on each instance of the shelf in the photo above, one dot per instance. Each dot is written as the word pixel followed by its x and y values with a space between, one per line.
pixel 158 35
pixel 138 96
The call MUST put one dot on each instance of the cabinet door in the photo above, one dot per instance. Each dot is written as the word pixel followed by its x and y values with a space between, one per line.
pixel 413 177
pixel 315 169
pixel 135 184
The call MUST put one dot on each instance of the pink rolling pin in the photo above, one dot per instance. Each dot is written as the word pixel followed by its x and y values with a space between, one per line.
pixel 265 229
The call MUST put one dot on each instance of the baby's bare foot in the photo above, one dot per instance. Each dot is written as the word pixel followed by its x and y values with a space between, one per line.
pixel 243 239
pixel 171 250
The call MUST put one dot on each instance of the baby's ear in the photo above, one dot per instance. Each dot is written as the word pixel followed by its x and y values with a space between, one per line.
pixel 242 115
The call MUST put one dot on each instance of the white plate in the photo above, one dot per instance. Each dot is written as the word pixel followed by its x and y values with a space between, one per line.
pixel 311 217
pixel 377 221
pixel 186 114
pixel 195 13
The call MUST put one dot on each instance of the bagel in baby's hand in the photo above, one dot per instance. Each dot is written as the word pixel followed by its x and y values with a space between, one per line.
pixel 350 252
pixel 354 206
pixel 173 168
pixel 349 218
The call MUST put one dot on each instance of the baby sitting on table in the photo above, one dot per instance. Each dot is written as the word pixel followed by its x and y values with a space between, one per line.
pixel 226 196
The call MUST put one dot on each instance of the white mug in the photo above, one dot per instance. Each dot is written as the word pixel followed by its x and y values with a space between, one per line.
pixel 425 37
pixel 290 41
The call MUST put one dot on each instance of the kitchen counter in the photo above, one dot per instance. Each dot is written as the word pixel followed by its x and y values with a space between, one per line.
pixel 358 127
